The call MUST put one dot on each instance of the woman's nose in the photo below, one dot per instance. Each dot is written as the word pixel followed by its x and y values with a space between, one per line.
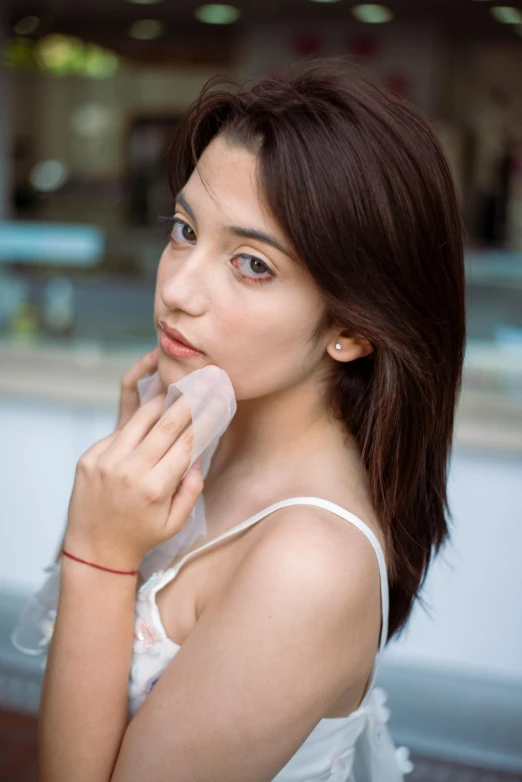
pixel 185 288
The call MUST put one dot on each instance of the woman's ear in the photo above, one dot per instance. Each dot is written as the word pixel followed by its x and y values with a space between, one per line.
pixel 345 348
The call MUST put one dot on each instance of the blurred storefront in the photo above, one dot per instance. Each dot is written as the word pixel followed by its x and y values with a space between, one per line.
pixel 91 96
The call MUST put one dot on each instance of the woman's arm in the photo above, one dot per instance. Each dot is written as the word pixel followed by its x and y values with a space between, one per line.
pixel 128 496
pixel 139 577
pixel 84 703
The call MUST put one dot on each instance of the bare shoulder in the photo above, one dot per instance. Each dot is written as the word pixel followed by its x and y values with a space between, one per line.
pixel 311 548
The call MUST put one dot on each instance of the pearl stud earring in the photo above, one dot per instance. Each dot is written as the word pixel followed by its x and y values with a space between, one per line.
pixel 338 346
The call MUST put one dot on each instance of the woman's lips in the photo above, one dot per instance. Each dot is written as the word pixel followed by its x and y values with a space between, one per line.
pixel 176 349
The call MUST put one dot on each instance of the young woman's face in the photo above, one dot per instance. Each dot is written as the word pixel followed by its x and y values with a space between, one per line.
pixel 226 281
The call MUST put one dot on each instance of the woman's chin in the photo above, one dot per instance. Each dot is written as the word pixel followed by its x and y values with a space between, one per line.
pixel 169 373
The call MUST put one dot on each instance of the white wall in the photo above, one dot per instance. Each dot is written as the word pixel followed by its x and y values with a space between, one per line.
pixel 473 589
pixel 39 448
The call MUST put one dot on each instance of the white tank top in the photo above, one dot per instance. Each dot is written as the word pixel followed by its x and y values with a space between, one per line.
pixel 356 748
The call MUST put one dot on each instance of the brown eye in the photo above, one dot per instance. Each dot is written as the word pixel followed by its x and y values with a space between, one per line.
pixel 181 231
pixel 253 267
pixel 187 232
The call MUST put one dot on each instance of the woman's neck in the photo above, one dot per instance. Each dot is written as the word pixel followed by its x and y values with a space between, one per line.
pixel 271 431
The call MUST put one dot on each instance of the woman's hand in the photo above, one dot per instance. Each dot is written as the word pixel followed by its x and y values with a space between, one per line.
pixel 127 496
pixel 129 398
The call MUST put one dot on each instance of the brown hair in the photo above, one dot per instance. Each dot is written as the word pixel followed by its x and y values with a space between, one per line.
pixel 359 183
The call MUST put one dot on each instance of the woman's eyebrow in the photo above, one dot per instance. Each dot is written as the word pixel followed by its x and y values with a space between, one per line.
pixel 236 230
pixel 261 236
pixel 180 199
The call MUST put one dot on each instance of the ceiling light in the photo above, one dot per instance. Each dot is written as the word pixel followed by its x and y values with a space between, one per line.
pixel 215 13
pixel 371 13
pixel 325 1
pixel 145 2
pixel 506 14
pixel 26 25
pixel 146 29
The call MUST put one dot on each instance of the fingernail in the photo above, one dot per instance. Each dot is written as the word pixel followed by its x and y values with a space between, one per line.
pixel 197 461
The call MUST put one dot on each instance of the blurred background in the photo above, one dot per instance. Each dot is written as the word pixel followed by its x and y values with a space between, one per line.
pixel 89 96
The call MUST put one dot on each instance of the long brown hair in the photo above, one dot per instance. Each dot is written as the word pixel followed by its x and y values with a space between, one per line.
pixel 359 183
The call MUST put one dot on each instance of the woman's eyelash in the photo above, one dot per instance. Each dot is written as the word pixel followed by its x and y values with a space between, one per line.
pixel 171 220
pixel 257 280
pixel 254 279
pixel 165 219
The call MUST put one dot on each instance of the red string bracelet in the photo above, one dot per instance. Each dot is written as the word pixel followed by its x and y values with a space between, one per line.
pixel 122 572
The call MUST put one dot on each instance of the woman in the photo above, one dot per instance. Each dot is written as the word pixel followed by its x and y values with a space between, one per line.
pixel 315 257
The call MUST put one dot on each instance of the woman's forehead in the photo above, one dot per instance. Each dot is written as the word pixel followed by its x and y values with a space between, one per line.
pixel 225 186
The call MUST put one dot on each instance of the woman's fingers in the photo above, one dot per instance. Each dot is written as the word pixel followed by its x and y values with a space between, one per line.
pixel 164 434
pixel 146 438
pixel 129 397
pixel 165 476
pixel 98 448
pixel 102 445
pixel 185 499
pixel 137 427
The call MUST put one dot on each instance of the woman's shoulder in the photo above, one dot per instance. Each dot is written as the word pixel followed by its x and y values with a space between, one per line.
pixel 338 477
pixel 304 539
pixel 323 579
